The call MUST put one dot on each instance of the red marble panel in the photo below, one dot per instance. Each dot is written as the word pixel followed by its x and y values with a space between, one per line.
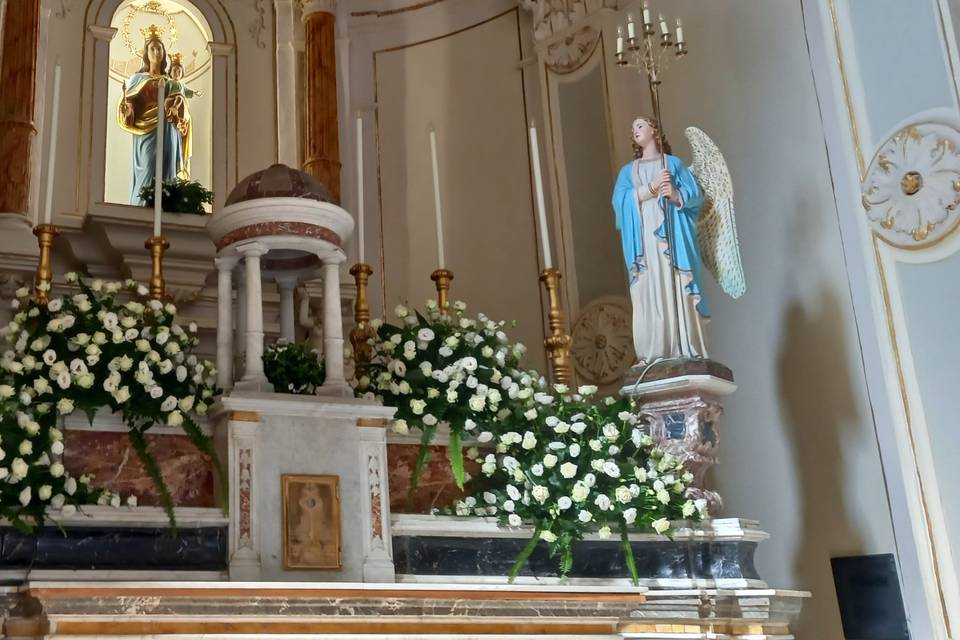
pixel 436 488
pixel 188 473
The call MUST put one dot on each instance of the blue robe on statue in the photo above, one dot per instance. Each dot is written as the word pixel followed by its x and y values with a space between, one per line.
pixel 138 115
pixel 660 250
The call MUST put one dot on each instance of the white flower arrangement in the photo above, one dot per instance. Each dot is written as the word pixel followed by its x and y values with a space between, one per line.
pixel 580 466
pixel 442 369
pixel 86 352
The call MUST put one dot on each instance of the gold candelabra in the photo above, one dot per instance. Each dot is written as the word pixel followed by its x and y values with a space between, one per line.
pixel 650 52
pixel 44 280
pixel 442 278
pixel 157 246
pixel 558 342
pixel 362 331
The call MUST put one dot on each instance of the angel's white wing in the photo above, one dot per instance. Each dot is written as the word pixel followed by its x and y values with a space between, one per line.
pixel 717 225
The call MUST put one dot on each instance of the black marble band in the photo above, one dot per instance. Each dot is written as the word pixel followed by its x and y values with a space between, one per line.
pixel 451 556
pixel 127 548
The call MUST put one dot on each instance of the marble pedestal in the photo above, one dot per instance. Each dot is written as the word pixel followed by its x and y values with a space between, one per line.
pixel 680 402
pixel 264 436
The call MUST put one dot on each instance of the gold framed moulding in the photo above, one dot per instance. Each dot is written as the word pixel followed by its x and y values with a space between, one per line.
pixel 311 522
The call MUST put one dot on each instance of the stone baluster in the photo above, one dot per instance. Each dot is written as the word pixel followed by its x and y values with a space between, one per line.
pixel 286 284
pixel 321 153
pixel 225 266
pixel 335 383
pixel 253 378
pixel 18 72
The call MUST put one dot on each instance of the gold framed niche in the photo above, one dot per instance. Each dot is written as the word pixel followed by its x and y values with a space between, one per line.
pixel 311 522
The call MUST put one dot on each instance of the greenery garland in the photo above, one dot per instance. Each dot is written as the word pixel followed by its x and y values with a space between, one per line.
pixel 107 346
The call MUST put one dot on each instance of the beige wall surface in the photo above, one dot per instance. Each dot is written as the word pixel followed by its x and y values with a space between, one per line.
pixel 468 85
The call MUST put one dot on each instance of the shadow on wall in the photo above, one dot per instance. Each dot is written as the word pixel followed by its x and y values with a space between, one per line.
pixel 818 408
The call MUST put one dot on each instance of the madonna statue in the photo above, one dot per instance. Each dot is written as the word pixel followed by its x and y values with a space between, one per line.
pixel 657 200
pixel 137 114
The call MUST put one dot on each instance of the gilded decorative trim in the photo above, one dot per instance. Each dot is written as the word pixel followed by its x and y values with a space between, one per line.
pixel 244 416
pixel 371 422
pixel 854 129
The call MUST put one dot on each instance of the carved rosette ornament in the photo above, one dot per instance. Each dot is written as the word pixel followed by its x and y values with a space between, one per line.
pixel 554 16
pixel 569 53
pixel 911 191
pixel 602 342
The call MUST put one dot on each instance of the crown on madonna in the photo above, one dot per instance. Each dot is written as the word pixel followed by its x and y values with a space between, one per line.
pixel 152 32
pixel 176 59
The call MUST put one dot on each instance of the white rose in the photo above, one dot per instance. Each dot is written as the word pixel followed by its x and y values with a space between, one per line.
pixel 57 501
pixel 584 516
pixel 45 492
pixel 485 436
pixel 401 311
pixel 568 470
pixel 603 502
pixel 580 492
pixel 578 427
pixel 49 357
pixel 550 461
pixel 537 469
pixel 131 501
pixel 630 515
pixel 688 508
pixel 622 494
pixel 417 406
pixel 612 469
pixel 661 525
pixel 169 404
pixel 25 448
pixel 477 402
pixel 6 391
pixel 604 532
pixel 25 496
pixel 56 448
pixel 429 420
pixel 548 536
pixel 663 497
pixel 574 450
pixel 489 498
pixel 175 419
pixel 513 492
pixel 610 430
pixel 529 440
pixel 19 468
pixel 400 426
pixel 514 520
pixel 70 486
pixel 564 503
pixel 65 406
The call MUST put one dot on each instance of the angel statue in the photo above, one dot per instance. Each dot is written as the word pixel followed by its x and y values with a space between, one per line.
pixel 672 221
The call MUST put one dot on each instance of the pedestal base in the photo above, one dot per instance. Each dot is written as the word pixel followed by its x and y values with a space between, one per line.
pixel 680 404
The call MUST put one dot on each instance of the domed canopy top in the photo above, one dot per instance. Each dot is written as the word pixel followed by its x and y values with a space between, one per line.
pixel 279 181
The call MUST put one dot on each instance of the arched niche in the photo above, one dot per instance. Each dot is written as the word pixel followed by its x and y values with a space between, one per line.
pixel 99 102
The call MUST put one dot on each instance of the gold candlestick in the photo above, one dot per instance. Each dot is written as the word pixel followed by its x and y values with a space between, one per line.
pixel 442 277
pixel 157 246
pixel 362 332
pixel 45 234
pixel 558 342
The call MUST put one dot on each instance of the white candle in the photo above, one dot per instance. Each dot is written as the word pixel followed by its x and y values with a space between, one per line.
pixel 541 207
pixel 360 239
pixel 631 30
pixel 158 175
pixel 664 27
pixel 52 150
pixel 436 198
pixel 619 41
pixel 646 15
pixel 679 31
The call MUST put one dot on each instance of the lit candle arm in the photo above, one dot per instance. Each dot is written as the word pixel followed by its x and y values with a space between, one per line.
pixel 158 175
pixel 631 28
pixel 679 31
pixel 647 19
pixel 360 235
pixel 664 27
pixel 619 41
pixel 541 207
pixel 441 263
pixel 52 150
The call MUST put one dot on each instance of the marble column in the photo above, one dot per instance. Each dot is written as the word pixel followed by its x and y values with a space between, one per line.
pixel 253 378
pixel 240 324
pixel 335 383
pixel 321 152
pixel 286 284
pixel 288 120
pixel 18 71
pixel 225 266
